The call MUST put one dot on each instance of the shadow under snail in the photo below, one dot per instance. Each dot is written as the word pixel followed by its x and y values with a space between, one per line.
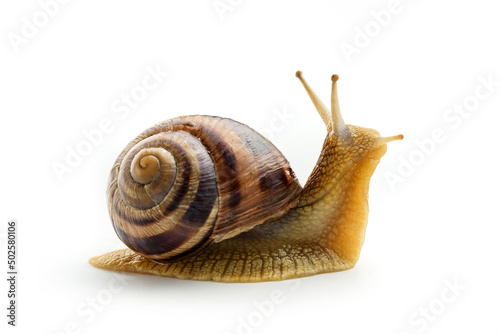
pixel 208 198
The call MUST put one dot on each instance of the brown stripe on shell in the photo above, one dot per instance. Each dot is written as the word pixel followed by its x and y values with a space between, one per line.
pixel 179 191
pixel 273 178
pixel 199 215
pixel 196 226
pixel 229 169
pixel 189 224
pixel 169 243
pixel 244 203
pixel 269 179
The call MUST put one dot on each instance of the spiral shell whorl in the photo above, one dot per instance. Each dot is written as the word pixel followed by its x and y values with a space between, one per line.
pixel 146 174
pixel 146 167
pixel 195 179
pixel 176 210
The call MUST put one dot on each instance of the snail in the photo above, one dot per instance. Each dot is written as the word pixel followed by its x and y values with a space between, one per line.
pixel 208 198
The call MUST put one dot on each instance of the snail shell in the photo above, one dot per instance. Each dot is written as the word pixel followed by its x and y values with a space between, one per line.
pixel 193 180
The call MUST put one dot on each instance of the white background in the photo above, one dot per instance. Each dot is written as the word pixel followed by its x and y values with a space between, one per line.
pixel 436 226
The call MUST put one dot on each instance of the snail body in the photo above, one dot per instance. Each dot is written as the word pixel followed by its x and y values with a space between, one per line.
pixel 208 198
